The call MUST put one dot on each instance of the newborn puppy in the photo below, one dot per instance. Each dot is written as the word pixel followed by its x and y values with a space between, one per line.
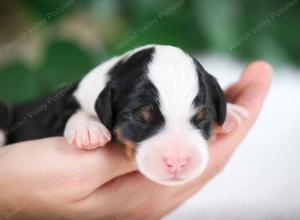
pixel 156 100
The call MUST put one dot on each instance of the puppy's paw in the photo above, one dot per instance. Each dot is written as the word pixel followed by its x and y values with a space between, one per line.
pixel 236 115
pixel 89 135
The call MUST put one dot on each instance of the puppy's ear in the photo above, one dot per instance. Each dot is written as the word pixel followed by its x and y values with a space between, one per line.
pixel 104 108
pixel 218 98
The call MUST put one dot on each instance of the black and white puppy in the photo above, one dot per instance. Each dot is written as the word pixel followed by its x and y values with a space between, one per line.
pixel 156 100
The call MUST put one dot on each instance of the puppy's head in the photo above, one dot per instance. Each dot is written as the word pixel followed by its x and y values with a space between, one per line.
pixel 161 103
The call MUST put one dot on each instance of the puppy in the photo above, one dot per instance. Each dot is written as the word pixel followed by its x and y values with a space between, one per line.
pixel 156 100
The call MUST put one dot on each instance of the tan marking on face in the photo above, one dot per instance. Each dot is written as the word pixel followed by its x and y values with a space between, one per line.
pixel 129 149
pixel 146 113
pixel 201 113
pixel 129 146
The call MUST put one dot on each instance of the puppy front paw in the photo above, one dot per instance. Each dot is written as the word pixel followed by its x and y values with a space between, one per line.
pixel 89 135
pixel 235 116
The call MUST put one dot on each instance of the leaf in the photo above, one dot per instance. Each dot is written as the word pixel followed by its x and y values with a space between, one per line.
pixel 17 83
pixel 64 63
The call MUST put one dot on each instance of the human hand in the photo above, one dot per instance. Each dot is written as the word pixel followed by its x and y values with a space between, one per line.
pixel 50 179
pixel 151 201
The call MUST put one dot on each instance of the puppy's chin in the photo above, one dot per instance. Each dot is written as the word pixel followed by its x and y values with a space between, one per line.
pixel 152 166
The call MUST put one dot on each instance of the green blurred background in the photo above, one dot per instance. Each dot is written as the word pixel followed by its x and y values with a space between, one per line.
pixel 45 44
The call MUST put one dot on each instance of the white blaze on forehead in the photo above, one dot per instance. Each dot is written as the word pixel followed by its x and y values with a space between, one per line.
pixel 174 75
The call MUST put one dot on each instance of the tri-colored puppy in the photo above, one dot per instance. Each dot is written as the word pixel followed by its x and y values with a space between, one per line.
pixel 156 100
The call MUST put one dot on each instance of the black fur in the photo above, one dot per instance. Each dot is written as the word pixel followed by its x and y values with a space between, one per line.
pixel 43 118
pixel 210 97
pixel 5 115
pixel 218 98
pixel 128 91
pixel 104 107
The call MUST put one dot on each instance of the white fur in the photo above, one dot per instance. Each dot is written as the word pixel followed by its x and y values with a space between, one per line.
pixel 151 150
pixel 2 138
pixel 92 84
pixel 174 75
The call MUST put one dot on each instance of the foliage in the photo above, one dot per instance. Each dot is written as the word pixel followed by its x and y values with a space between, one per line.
pixel 246 29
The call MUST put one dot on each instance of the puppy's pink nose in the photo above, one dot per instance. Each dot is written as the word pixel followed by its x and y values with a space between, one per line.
pixel 176 164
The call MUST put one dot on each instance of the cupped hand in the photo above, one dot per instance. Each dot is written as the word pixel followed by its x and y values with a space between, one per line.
pixel 48 179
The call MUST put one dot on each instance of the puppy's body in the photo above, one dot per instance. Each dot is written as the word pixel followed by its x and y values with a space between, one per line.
pixel 156 99
pixel 46 117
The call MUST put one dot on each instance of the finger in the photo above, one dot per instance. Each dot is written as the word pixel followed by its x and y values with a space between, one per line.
pixel 253 87
pixel 255 70
pixel 232 91
pixel 249 92
pixel 258 72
